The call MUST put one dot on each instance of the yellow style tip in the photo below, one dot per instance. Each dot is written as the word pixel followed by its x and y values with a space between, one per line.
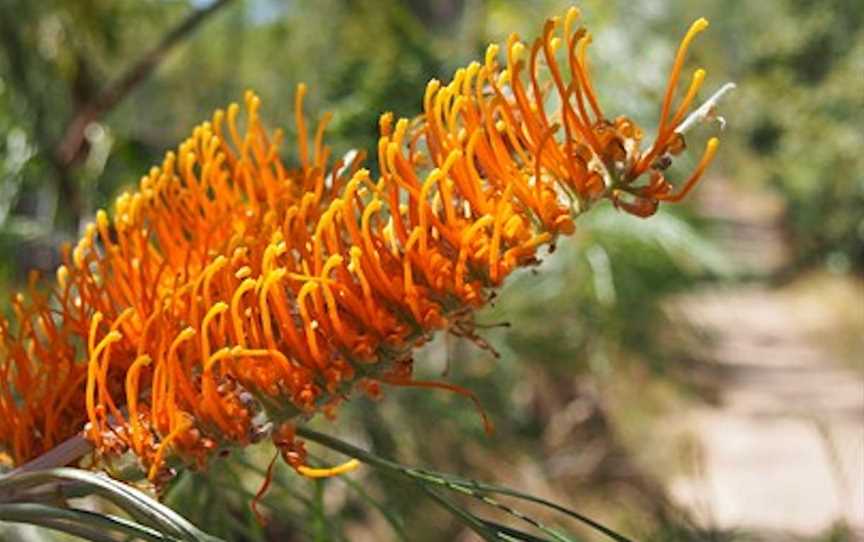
pixel 711 146
pixel 143 360
pixel 518 51
pixel 62 277
pixel 491 53
pixel 572 14
pixel 102 218
pixel 346 467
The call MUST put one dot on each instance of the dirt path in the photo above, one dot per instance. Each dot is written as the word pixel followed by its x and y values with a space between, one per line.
pixel 783 450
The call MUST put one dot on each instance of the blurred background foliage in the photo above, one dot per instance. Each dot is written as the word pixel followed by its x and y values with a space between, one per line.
pixel 592 358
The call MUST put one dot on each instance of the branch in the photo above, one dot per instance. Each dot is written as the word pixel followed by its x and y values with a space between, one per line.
pixel 115 91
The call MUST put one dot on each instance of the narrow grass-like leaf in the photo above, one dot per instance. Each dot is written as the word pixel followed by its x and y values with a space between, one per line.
pixel 468 487
pixel 134 502
pixel 394 522
pixel 82 531
pixel 468 519
pixel 510 534
pixel 54 517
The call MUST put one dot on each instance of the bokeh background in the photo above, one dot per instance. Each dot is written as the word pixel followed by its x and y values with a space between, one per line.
pixel 696 376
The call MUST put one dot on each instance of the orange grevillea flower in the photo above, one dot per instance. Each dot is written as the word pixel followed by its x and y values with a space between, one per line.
pixel 231 290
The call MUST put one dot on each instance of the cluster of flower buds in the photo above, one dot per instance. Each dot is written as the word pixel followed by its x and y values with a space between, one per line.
pixel 231 293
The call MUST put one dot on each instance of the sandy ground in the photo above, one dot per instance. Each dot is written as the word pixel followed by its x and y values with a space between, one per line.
pixel 783 450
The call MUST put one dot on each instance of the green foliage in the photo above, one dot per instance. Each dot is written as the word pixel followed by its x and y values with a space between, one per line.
pixel 798 119
pixel 605 295
pixel 41 497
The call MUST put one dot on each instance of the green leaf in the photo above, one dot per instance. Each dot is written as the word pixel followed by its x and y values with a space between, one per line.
pixel 136 503
pixel 80 522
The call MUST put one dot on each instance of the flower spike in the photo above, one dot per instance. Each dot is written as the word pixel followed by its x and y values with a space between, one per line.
pixel 232 293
